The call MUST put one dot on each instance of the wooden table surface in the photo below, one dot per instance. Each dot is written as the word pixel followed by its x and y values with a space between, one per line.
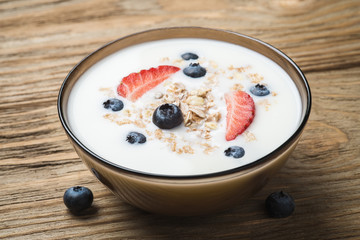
pixel 40 41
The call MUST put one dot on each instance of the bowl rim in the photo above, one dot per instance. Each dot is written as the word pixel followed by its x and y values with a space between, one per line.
pixel 130 171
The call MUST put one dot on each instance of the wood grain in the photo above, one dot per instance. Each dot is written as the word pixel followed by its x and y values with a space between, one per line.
pixel 40 41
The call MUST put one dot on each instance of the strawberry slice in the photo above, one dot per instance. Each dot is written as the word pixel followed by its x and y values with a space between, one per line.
pixel 135 85
pixel 240 113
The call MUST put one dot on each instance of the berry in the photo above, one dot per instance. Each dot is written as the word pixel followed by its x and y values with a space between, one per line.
pixel 259 90
pixel 189 55
pixel 235 152
pixel 279 205
pixel 78 198
pixel 240 113
pixel 135 137
pixel 167 116
pixel 135 85
pixel 114 104
pixel 194 70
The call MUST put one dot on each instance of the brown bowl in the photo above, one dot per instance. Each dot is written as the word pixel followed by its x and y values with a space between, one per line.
pixel 186 195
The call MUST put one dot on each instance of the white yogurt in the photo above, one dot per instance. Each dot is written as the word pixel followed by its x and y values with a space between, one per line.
pixel 180 151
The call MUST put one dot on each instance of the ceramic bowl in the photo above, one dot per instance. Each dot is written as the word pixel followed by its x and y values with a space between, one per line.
pixel 186 195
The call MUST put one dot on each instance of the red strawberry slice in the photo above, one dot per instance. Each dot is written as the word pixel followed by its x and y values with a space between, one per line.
pixel 135 85
pixel 240 113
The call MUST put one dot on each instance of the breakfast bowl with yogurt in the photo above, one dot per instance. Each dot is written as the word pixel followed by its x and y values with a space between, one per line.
pixel 184 121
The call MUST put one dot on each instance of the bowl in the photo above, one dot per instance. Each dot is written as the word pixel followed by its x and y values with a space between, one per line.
pixel 186 195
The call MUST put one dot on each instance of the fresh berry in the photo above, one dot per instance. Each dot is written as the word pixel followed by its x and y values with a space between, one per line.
pixel 167 116
pixel 189 55
pixel 240 113
pixel 194 70
pixel 279 205
pixel 135 137
pixel 114 104
pixel 135 85
pixel 259 90
pixel 78 198
pixel 235 152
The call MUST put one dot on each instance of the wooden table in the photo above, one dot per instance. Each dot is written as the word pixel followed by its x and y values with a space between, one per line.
pixel 40 41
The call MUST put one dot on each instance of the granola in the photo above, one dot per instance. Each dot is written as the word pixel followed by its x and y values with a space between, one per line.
pixel 197 106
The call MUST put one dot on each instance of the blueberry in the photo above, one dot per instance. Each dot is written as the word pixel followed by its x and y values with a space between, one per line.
pixel 194 70
pixel 135 137
pixel 189 55
pixel 279 205
pixel 259 90
pixel 78 198
pixel 235 152
pixel 114 104
pixel 167 116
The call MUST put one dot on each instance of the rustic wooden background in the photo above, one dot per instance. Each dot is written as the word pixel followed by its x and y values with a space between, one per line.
pixel 41 40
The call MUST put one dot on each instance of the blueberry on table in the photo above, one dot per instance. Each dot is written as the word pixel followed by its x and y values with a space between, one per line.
pixel 135 137
pixel 259 90
pixel 280 205
pixel 235 152
pixel 167 116
pixel 194 70
pixel 189 55
pixel 114 104
pixel 78 198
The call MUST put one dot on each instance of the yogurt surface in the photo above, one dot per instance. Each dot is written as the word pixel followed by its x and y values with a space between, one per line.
pixel 192 149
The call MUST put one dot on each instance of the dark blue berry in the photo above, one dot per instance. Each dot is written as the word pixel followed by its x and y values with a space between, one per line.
pixel 114 104
pixel 135 137
pixel 78 198
pixel 189 55
pixel 259 90
pixel 279 205
pixel 167 116
pixel 235 152
pixel 194 70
